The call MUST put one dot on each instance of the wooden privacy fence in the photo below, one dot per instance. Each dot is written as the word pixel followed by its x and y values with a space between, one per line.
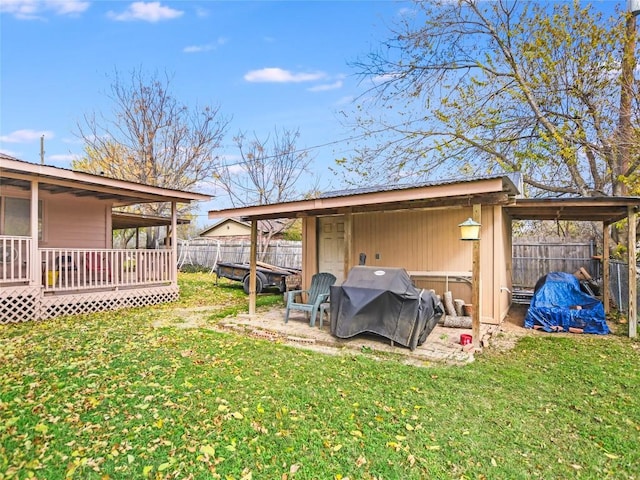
pixel 532 260
pixel 206 253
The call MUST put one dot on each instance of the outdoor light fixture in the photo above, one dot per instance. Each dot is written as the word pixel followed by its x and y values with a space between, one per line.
pixel 633 6
pixel 469 230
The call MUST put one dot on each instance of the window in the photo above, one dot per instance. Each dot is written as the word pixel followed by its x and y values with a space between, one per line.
pixel 16 216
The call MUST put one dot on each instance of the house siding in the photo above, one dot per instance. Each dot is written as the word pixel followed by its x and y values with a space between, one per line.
pixel 66 224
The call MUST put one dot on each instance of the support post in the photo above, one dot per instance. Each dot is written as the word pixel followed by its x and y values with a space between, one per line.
pixel 606 291
pixel 475 282
pixel 174 242
pixel 633 316
pixel 348 242
pixel 35 273
pixel 252 267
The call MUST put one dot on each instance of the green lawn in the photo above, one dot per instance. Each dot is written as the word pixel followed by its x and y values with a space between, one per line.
pixel 110 396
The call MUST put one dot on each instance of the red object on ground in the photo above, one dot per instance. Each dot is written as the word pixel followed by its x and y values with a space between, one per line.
pixel 465 339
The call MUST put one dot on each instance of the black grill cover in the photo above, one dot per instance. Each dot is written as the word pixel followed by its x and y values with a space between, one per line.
pixel 383 301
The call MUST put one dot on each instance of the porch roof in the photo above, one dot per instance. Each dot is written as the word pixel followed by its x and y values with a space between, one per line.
pixel 18 173
pixel 123 220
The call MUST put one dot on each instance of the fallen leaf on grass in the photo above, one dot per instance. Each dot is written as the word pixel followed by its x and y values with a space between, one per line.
pixel 208 450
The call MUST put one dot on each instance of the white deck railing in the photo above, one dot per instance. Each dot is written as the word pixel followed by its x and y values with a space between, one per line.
pixel 77 269
pixel 82 268
pixel 14 259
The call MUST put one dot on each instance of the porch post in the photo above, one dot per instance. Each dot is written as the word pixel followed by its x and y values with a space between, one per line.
pixel 174 242
pixel 476 288
pixel 252 267
pixel 606 292
pixel 348 243
pixel 631 241
pixel 35 274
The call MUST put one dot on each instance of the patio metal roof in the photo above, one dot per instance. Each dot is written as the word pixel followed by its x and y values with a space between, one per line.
pixel 494 190
pixel 591 209
pixel 491 190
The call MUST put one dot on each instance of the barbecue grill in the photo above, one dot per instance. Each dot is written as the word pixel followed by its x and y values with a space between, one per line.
pixel 383 301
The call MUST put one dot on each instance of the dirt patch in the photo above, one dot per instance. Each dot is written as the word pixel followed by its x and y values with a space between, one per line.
pixel 196 317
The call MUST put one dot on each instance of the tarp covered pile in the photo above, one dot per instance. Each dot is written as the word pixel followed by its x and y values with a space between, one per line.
pixel 559 305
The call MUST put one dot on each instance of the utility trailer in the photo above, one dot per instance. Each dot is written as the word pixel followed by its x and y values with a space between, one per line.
pixel 267 276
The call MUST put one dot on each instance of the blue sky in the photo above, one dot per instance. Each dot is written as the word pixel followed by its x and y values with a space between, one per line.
pixel 266 64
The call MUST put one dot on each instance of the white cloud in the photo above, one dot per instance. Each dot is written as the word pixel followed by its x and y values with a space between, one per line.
pixel 198 48
pixel 147 12
pixel 26 136
pixel 387 77
pixel 328 86
pixel 204 48
pixel 35 9
pixel 278 75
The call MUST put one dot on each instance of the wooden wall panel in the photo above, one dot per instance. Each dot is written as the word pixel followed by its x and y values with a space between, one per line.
pixel 414 240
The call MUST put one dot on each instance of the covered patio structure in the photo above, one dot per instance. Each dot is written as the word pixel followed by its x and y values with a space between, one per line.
pixel 415 227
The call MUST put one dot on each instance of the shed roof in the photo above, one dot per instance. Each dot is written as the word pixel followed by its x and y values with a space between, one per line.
pixel 499 189
pixel 490 190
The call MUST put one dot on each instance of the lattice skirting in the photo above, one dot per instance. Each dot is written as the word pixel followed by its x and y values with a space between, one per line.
pixel 21 304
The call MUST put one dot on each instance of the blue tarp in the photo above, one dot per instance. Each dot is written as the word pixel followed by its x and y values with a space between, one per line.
pixel 559 304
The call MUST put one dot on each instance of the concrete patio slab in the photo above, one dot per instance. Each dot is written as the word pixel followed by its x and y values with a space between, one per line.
pixel 441 346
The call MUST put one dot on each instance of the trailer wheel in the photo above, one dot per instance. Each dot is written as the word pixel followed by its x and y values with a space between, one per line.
pixel 260 281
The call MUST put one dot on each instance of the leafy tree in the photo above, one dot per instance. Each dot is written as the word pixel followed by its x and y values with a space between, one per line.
pixel 268 172
pixel 503 86
pixel 152 138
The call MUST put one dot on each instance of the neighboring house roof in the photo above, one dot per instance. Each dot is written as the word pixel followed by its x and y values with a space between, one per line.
pixel 18 173
pixel 262 226
pixel 220 223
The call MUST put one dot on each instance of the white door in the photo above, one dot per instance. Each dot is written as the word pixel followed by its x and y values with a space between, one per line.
pixel 331 246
